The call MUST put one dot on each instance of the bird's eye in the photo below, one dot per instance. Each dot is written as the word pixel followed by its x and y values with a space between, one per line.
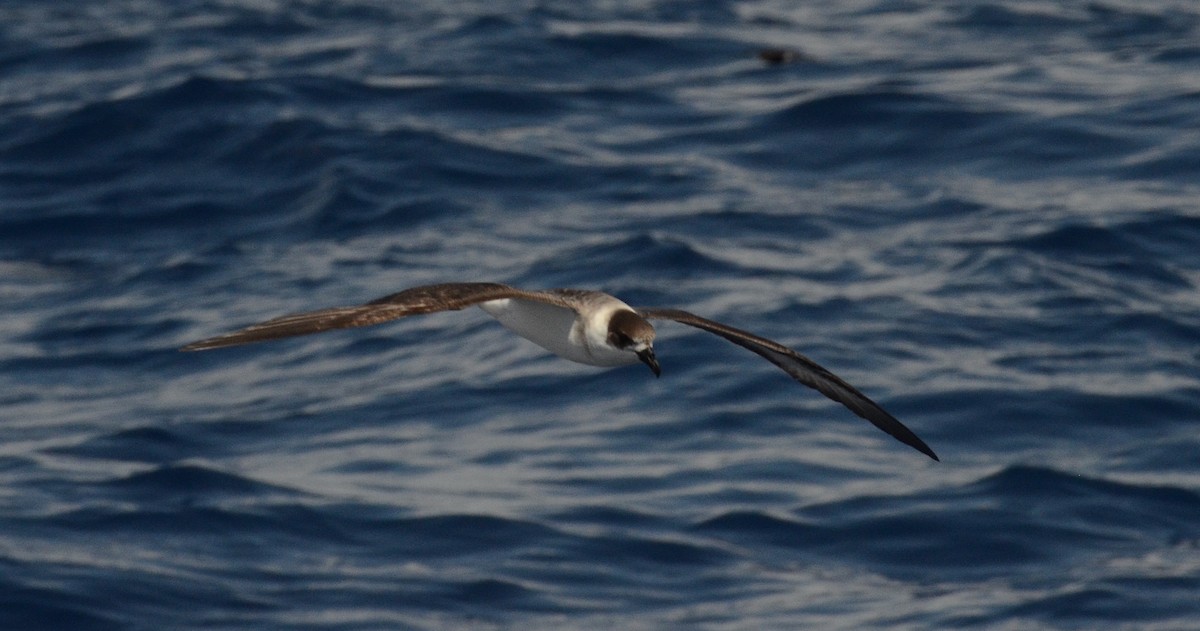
pixel 620 340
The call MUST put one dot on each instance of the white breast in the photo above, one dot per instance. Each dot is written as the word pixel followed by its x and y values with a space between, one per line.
pixel 560 330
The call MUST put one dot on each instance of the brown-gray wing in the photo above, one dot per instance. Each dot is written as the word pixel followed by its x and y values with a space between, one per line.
pixel 803 370
pixel 415 301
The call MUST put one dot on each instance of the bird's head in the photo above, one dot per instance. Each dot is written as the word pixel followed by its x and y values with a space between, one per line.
pixel 631 332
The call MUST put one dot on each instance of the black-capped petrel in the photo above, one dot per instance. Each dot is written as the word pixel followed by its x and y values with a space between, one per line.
pixel 589 327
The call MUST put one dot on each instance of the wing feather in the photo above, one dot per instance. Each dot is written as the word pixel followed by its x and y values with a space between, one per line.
pixel 415 301
pixel 803 370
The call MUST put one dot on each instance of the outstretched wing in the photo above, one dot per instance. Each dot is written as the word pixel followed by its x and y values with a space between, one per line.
pixel 415 301
pixel 802 369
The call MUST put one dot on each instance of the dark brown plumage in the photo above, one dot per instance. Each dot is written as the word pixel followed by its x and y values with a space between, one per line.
pixel 623 336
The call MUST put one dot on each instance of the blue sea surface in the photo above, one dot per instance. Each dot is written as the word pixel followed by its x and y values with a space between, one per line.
pixel 985 215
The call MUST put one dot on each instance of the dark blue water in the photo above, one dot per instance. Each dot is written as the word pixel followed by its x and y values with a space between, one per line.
pixel 986 215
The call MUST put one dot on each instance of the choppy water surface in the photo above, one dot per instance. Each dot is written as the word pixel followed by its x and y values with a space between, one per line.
pixel 985 216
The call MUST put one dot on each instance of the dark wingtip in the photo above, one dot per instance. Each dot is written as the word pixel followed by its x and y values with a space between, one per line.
pixel 919 445
pixel 894 428
pixel 206 345
pixel 202 345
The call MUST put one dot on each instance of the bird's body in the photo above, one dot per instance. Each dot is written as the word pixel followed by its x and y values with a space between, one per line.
pixel 565 332
pixel 588 327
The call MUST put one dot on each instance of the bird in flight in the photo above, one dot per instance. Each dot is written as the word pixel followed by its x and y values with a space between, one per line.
pixel 589 327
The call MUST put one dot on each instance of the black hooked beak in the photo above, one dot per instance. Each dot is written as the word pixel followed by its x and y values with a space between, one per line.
pixel 647 357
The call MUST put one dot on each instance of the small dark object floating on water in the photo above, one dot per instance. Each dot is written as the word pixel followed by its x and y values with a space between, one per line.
pixel 779 56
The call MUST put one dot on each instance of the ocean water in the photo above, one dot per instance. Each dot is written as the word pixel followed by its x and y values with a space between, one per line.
pixel 986 215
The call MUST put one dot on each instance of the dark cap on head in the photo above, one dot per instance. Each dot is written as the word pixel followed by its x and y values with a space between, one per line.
pixel 629 330
pixel 626 328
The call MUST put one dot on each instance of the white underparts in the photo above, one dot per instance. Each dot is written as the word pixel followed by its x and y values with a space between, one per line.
pixel 560 330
